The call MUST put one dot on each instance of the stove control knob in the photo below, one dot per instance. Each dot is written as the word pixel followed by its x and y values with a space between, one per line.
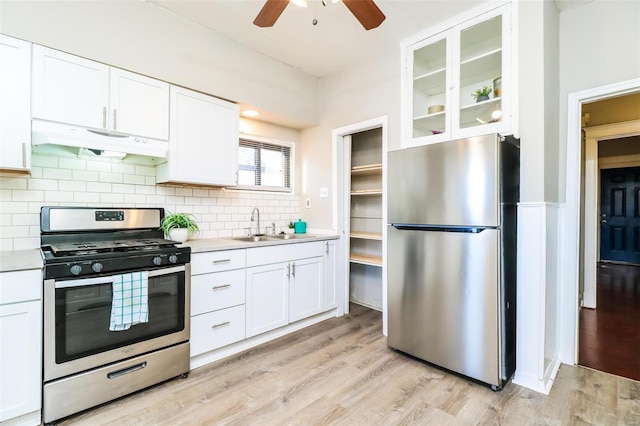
pixel 173 258
pixel 157 260
pixel 75 269
pixel 97 267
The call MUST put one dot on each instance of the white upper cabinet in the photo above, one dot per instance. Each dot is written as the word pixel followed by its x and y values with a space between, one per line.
pixel 15 102
pixel 442 72
pixel 204 140
pixel 73 90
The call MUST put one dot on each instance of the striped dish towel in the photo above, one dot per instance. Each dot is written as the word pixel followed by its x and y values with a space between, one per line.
pixel 130 300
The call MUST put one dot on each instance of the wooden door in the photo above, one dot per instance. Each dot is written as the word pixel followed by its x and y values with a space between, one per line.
pixel 620 215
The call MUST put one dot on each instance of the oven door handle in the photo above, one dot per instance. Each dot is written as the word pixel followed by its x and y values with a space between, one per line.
pixel 109 278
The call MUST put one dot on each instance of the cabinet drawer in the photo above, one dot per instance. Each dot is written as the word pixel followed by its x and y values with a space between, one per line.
pixel 284 253
pixel 215 261
pixel 210 292
pixel 217 329
pixel 20 286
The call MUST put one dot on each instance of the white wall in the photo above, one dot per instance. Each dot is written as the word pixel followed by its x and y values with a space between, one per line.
pixel 143 38
pixel 358 93
pixel 599 45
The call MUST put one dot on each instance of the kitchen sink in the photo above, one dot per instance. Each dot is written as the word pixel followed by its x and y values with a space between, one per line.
pixel 251 238
pixel 287 236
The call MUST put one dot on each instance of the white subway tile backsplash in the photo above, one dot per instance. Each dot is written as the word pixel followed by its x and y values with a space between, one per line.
pixel 112 198
pixel 58 196
pixel 72 163
pixel 110 177
pixel 113 183
pixel 44 184
pixel 86 197
pixel 85 176
pixel 50 173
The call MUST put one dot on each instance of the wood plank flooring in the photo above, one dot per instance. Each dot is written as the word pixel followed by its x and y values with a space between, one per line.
pixel 609 338
pixel 341 372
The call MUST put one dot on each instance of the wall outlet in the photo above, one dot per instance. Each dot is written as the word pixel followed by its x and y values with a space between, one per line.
pixel 307 203
pixel 324 192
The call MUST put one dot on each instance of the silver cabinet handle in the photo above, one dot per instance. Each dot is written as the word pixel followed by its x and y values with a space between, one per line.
pixel 326 245
pixel 216 262
pixel 115 122
pixel 221 324
pixel 293 269
pixel 289 270
pixel 218 287
pixel 104 117
pixel 24 155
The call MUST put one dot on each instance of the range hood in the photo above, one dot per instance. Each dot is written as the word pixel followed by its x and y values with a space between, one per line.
pixel 47 132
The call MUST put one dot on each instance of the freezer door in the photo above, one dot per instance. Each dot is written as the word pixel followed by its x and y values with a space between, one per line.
pixel 452 183
pixel 443 296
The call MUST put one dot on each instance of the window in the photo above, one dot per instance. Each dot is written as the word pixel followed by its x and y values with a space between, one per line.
pixel 264 166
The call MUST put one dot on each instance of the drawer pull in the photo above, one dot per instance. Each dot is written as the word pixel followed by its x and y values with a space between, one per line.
pixel 215 262
pixel 221 324
pixel 218 287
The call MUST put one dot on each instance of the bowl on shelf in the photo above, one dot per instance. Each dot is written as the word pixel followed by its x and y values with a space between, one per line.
pixel 435 108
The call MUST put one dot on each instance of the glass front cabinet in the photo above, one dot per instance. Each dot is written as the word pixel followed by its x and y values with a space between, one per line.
pixel 457 82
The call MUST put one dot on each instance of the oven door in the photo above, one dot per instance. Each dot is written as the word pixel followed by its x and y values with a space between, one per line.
pixel 77 314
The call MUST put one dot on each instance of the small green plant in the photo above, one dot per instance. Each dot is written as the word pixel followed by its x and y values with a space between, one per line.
pixel 485 91
pixel 179 220
pixel 290 225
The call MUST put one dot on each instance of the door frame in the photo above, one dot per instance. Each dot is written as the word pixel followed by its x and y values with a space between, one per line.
pixel 341 157
pixel 591 248
pixel 570 238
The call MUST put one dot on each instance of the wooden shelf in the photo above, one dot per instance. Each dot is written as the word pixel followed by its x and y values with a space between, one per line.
pixel 367 192
pixel 366 260
pixel 366 235
pixel 367 169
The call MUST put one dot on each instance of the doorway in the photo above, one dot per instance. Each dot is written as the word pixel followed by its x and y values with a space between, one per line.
pixel 359 155
pixel 573 239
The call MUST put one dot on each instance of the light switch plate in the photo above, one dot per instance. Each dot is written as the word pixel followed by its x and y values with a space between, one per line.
pixel 324 192
pixel 307 203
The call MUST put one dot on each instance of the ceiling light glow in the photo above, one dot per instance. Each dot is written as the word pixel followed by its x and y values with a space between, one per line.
pixel 250 113
pixel 299 3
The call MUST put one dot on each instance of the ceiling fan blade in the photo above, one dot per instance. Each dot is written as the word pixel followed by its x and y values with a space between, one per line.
pixel 365 11
pixel 270 13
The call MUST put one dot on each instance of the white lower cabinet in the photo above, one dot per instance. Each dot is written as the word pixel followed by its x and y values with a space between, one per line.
pixel 267 297
pixel 217 300
pixel 306 288
pixel 21 346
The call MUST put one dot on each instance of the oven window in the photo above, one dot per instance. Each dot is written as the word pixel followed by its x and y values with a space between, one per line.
pixel 83 315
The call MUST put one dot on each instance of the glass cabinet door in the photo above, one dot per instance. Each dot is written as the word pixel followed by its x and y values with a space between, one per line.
pixel 430 89
pixel 481 57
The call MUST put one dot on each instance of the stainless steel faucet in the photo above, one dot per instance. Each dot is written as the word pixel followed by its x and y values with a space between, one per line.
pixel 256 210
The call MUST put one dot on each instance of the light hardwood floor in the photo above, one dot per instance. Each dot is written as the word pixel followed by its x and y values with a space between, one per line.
pixel 342 372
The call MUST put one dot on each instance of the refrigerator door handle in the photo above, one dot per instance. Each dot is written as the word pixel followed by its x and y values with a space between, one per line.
pixel 438 228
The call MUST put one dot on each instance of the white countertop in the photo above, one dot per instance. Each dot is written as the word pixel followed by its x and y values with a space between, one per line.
pixel 216 244
pixel 20 260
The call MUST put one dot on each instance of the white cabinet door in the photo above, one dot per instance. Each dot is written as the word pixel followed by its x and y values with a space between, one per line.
pixel 139 105
pixel 330 271
pixel 444 71
pixel 69 89
pixel 203 141
pixel 15 104
pixel 20 361
pixel 267 298
pixel 306 288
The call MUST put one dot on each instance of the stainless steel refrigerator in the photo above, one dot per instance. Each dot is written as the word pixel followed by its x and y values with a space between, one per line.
pixel 451 255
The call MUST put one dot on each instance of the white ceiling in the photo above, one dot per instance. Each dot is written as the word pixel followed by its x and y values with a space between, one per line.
pixel 335 42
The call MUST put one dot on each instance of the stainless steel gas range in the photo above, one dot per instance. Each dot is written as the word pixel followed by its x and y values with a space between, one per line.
pixel 116 305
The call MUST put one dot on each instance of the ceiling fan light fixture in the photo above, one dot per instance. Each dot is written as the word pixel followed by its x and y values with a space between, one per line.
pixel 299 3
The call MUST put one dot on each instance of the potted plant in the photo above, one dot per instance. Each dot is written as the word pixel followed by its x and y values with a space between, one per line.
pixel 482 94
pixel 290 229
pixel 178 225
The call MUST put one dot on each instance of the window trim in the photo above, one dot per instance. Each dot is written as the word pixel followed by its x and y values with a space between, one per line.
pixel 292 168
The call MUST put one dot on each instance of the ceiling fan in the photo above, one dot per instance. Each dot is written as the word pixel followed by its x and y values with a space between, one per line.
pixel 365 11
